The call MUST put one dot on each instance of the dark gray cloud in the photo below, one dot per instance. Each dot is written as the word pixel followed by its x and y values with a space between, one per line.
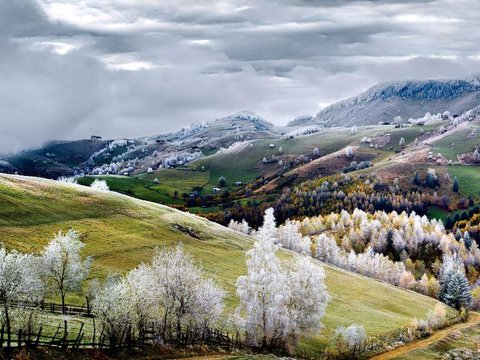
pixel 135 67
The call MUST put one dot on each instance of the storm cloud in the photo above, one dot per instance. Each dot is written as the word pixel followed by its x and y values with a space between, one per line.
pixel 69 69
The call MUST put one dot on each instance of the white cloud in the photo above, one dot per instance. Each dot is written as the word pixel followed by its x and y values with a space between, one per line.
pixel 133 67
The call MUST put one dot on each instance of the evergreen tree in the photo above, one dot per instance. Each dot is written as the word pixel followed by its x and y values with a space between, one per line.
pixel 458 234
pixel 456 187
pixel 470 201
pixel 467 240
pixel 416 179
pixel 221 181
pixel 449 223
pixel 456 291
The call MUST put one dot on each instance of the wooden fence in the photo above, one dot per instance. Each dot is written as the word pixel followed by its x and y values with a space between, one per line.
pixel 65 339
pixel 54 308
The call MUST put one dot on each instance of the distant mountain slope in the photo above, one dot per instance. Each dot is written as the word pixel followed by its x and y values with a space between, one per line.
pixel 66 158
pixel 120 232
pixel 408 99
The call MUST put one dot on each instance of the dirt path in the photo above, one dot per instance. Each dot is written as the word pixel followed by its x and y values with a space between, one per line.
pixel 431 140
pixel 473 320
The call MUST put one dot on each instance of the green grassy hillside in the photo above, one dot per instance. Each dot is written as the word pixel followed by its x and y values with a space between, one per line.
pixel 246 165
pixel 121 232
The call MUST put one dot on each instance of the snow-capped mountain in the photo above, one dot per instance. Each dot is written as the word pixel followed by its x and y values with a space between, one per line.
pixel 408 99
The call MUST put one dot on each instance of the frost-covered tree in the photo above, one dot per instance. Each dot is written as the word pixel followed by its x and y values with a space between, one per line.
pixel 263 292
pixel 290 237
pixel 62 265
pixel 327 249
pixel 143 303
pixel 181 291
pixel 353 130
pixel 101 185
pixel 402 143
pixel 351 337
pixel 19 280
pixel 279 304
pixel 268 228
pixel 208 305
pixel 308 298
pixel 349 152
pixel 476 155
pixel 68 180
pixel 241 227
pixel 113 309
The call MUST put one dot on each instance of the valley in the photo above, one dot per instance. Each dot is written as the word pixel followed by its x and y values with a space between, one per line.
pixel 383 209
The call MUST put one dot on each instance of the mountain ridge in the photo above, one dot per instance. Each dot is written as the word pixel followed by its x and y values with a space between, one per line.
pixel 408 99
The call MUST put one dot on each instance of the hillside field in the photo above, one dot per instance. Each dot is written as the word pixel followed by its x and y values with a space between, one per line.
pixel 121 232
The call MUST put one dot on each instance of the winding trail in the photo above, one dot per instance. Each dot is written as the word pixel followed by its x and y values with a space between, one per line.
pixel 474 319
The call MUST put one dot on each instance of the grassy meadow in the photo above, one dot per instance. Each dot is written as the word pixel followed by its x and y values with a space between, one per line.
pixel 120 232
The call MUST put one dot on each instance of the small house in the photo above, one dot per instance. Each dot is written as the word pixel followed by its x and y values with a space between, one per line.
pixel 271 146
pixel 160 141
pixel 216 190
pixel 95 137
pixel 238 183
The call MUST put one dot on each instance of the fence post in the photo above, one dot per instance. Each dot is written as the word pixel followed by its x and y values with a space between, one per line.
pixel 65 334
pixel 38 336
pixel 80 335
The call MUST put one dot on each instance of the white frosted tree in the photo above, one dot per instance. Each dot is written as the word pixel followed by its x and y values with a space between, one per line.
pixel 327 249
pixel 62 265
pixel 278 305
pixel 308 298
pixel 268 228
pixel 263 292
pixel 351 336
pixel 402 143
pixel 143 303
pixel 476 155
pixel 289 236
pixel 113 308
pixel 182 291
pixel 19 281
pixel 208 305
pixel 101 185
pixel 349 152
pixel 241 227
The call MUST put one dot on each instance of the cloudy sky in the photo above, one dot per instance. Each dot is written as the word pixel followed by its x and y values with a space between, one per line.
pixel 115 68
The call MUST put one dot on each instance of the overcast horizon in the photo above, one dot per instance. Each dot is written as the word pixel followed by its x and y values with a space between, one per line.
pixel 126 68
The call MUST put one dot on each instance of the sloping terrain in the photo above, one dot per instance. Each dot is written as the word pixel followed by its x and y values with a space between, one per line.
pixel 120 232
pixel 408 99
pixel 460 336
pixel 135 155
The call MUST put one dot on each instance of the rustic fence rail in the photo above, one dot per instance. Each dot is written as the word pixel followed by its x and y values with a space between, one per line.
pixel 65 337
pixel 84 310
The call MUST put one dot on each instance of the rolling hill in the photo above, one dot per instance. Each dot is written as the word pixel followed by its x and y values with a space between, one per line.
pixel 121 232
pixel 379 104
